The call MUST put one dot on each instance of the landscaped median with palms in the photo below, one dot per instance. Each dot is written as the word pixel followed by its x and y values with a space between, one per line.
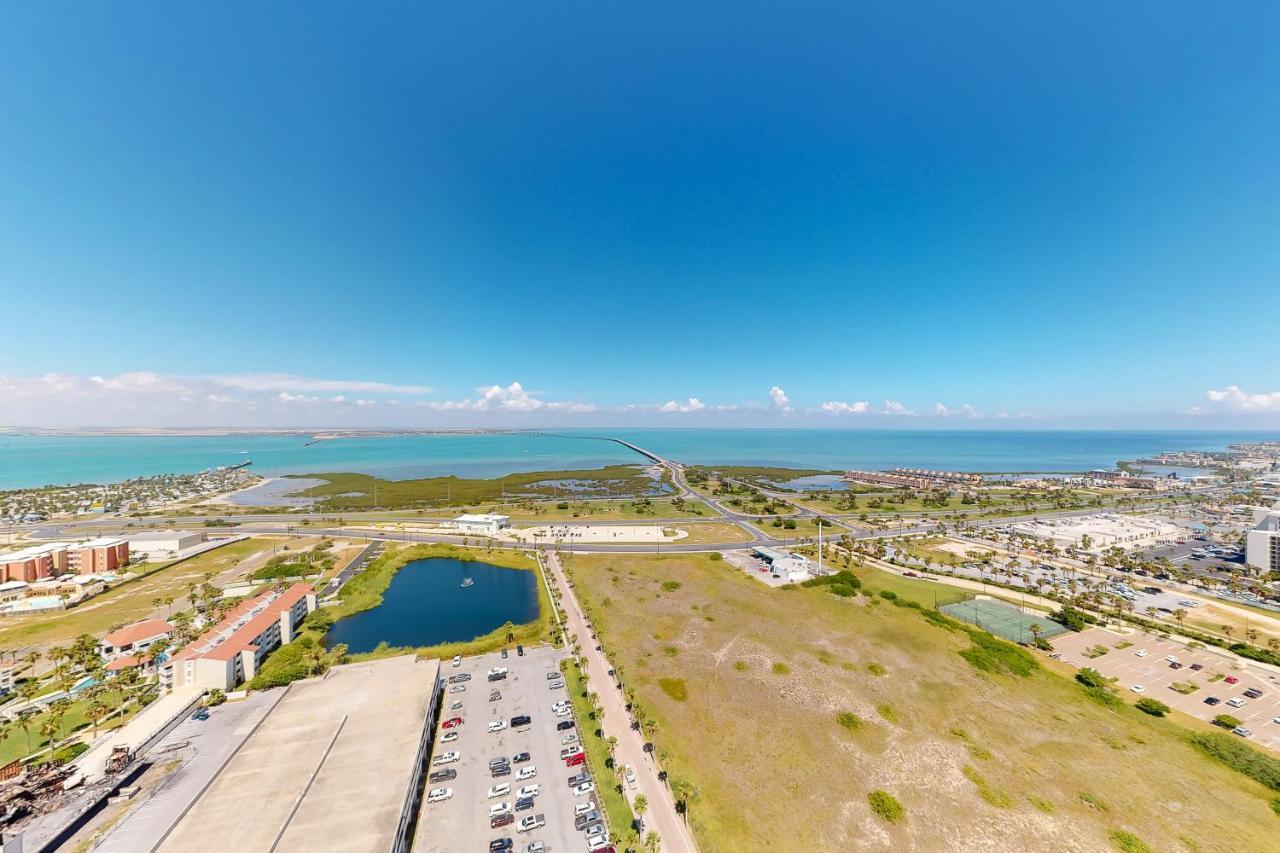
pixel 797 718
pixel 589 714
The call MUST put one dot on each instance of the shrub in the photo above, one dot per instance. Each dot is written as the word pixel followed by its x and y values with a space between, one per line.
pixel 849 720
pixel 1226 721
pixel 989 654
pixel 1095 802
pixel 675 688
pixel 670 651
pixel 781 669
pixel 876 669
pixel 995 797
pixel 1154 707
pixel 716 556
pixel 1104 696
pixel 1239 756
pixel 670 586
pixel 740 665
pixel 1041 803
pixel 1127 842
pixel 888 595
pixel 887 712
pixel 1090 677
pixel 886 806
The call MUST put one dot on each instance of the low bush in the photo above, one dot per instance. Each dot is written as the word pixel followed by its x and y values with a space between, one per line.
pixel 1154 707
pixel 849 720
pixel 1226 721
pixel 990 654
pixel 887 712
pixel 876 669
pixel 886 806
pixel 675 688
pixel 1127 842
pixel 670 586
pixel 1239 756
pixel 781 669
pixel 1090 677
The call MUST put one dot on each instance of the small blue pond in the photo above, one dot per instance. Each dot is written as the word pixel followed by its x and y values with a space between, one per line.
pixel 427 604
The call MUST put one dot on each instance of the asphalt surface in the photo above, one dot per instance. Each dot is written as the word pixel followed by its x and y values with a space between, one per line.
pixel 465 816
pixel 203 747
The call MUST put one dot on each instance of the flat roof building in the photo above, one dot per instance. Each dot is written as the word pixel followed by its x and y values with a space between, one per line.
pixel 1262 543
pixel 487 524
pixel 153 543
pixel 1097 533
pixel 336 766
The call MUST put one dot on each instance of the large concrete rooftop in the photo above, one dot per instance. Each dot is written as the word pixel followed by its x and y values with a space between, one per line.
pixel 330 768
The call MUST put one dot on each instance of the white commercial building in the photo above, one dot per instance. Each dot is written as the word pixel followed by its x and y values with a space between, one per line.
pixel 487 524
pixel 1097 533
pixel 155 543
pixel 1262 543
pixel 790 567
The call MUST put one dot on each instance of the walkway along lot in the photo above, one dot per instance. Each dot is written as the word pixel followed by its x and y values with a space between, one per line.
pixel 661 816
pixel 1155 674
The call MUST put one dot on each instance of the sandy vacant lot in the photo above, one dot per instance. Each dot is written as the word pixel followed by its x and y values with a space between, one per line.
pixel 747 684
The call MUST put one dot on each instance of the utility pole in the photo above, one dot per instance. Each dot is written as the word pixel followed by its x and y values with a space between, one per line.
pixel 819 547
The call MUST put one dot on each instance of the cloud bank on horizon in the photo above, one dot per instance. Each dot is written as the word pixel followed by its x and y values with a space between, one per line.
pixel 145 398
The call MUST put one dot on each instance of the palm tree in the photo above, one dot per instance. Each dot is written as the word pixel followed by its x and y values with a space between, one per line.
pixel 640 805
pixel 1252 635
pixel 651 842
pixel 1179 616
pixel 1228 630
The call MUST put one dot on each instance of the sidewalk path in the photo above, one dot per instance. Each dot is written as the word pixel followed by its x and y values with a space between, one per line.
pixel 661 816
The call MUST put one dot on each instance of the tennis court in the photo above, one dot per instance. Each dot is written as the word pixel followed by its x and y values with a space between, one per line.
pixel 1002 620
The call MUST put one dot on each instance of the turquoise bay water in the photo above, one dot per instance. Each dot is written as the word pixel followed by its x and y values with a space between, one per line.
pixel 27 461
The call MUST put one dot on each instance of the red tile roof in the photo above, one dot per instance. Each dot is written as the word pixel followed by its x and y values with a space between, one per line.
pixel 144 630
pixel 242 638
pixel 122 662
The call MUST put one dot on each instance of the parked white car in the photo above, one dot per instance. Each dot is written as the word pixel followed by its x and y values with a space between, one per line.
pixel 1138 688
pixel 499 790
pixel 499 808
pixel 439 795
pixel 563 712
pixel 529 791
pixel 497 725
pixel 1236 702
pixel 1142 653
pixel 457 661
pixel 445 758
pixel 597 842
pixel 583 808
pixel 584 789
pixel 527 772
pixel 449 737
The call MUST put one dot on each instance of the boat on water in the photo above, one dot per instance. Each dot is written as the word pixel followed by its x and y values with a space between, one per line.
pixel 467 582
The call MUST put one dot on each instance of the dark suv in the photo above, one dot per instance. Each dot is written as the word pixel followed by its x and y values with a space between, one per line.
pixel 444 775
pixel 521 720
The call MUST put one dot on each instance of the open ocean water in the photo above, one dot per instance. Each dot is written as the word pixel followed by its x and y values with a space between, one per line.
pixel 27 460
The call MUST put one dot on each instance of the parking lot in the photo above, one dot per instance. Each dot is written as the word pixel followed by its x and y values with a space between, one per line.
pixel 1156 675
pixel 462 822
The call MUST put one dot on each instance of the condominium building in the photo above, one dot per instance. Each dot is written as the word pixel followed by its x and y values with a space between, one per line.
pixel 51 559
pixel 231 651
pixel 134 639
pixel 1262 543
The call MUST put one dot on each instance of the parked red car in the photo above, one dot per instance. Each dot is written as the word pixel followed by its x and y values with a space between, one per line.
pixel 452 723
pixel 1231 679
pixel 575 759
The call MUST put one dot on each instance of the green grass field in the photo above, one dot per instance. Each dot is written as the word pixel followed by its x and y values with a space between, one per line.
pixel 349 492
pixel 795 705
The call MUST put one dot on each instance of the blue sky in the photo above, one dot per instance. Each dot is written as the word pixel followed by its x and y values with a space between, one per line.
pixel 578 213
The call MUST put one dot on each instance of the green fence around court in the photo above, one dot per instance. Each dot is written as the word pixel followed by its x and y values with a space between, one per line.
pixel 1002 620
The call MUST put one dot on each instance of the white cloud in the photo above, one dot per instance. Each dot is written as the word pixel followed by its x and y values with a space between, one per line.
pixel 692 405
pixel 512 398
pixel 291 382
pixel 780 399
pixel 965 411
pixel 1233 399
pixel 838 407
pixel 893 407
